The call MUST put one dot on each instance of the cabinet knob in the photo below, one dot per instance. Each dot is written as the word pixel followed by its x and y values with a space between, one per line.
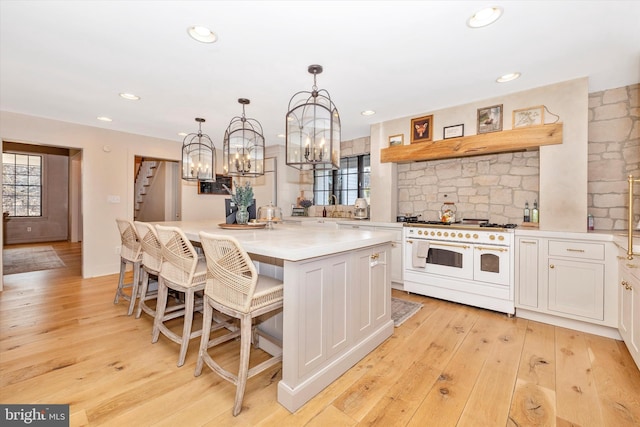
pixel 552 266
pixel 624 283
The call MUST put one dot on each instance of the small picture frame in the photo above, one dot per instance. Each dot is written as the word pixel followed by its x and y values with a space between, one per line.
pixel 524 117
pixel 422 129
pixel 454 131
pixel 396 140
pixel 490 119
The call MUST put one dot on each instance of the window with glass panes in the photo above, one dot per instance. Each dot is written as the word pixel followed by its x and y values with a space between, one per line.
pixel 348 183
pixel 22 184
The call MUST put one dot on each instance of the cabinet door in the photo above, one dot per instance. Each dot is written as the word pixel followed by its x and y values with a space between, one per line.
pixel 576 288
pixel 396 262
pixel 371 290
pixel 629 308
pixel 527 273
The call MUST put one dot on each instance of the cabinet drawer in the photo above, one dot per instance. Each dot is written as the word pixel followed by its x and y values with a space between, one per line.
pixel 576 249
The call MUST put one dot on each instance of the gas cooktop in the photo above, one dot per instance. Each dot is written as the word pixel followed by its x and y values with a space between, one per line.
pixel 473 223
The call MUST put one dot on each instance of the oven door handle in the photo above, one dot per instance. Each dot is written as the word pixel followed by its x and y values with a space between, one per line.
pixel 490 248
pixel 437 243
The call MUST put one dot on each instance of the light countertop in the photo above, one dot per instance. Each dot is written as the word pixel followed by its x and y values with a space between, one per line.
pixel 619 237
pixel 289 242
pixel 349 221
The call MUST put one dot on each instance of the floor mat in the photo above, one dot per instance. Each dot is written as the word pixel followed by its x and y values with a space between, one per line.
pixel 21 260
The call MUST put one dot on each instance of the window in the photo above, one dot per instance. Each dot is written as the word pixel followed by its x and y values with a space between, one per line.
pixel 22 185
pixel 348 183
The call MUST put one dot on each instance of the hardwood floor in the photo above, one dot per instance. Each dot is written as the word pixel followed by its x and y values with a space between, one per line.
pixel 64 341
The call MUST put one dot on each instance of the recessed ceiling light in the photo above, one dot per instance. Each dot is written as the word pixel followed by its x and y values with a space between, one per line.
pixel 508 77
pixel 130 96
pixel 202 34
pixel 182 134
pixel 104 119
pixel 485 17
pixel 368 113
pixel 281 135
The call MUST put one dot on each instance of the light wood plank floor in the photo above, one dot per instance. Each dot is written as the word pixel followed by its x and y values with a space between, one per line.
pixel 64 341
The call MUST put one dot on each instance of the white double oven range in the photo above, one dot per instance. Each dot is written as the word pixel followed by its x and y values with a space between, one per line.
pixel 470 263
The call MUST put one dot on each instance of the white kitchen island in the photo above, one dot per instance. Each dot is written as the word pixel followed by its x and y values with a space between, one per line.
pixel 337 298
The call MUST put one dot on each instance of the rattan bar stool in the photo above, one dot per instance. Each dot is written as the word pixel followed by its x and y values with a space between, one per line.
pixel 181 271
pixel 151 264
pixel 130 253
pixel 235 289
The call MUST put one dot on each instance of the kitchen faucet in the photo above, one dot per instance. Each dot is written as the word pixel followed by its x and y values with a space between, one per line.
pixel 335 204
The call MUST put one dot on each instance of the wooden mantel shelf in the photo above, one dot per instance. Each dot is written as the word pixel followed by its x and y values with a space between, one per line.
pixel 474 145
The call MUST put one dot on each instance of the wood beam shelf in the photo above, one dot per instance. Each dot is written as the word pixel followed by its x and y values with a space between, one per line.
pixel 475 145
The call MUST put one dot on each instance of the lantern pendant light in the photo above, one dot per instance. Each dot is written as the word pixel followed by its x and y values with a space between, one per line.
pixel 243 146
pixel 198 156
pixel 313 129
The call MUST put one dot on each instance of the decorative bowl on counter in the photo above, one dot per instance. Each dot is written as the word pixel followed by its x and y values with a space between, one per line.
pixel 269 215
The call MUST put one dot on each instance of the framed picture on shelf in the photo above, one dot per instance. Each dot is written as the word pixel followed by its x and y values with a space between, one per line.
pixel 532 116
pixel 454 131
pixel 422 129
pixel 490 119
pixel 396 140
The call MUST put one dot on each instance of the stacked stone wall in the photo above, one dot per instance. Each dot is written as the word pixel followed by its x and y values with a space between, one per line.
pixel 494 187
pixel 614 154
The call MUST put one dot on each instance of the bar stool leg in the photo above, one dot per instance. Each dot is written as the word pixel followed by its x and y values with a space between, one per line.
pixel 189 303
pixel 162 305
pixel 243 371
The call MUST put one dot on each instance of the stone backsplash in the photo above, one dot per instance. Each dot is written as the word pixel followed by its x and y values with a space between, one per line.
pixel 493 187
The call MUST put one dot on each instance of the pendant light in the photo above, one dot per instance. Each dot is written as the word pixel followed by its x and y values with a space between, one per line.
pixel 198 156
pixel 243 146
pixel 313 129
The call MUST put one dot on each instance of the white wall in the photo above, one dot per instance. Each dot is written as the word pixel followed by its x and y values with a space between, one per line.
pixel 107 170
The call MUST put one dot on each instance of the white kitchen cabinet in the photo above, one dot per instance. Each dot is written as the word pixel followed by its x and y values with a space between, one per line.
pixel 629 303
pixel 371 296
pixel 567 279
pixel 397 272
pixel 340 301
pixel 527 272
pixel 576 288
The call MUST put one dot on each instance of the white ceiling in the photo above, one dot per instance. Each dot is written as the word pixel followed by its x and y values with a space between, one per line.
pixel 69 60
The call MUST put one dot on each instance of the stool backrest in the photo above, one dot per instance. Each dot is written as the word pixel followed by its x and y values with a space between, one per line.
pixel 231 275
pixel 151 247
pixel 179 257
pixel 130 243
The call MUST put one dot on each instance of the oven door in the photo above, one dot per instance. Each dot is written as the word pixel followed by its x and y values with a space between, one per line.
pixel 491 264
pixel 443 258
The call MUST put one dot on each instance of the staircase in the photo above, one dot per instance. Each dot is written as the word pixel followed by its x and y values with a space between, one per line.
pixel 144 179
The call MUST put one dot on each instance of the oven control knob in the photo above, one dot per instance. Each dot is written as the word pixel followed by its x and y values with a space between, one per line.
pixel 460 235
pixel 500 237
pixel 439 233
pixel 468 236
pixel 475 236
pixel 446 234
pixel 432 233
pixel 492 237
pixel 420 232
